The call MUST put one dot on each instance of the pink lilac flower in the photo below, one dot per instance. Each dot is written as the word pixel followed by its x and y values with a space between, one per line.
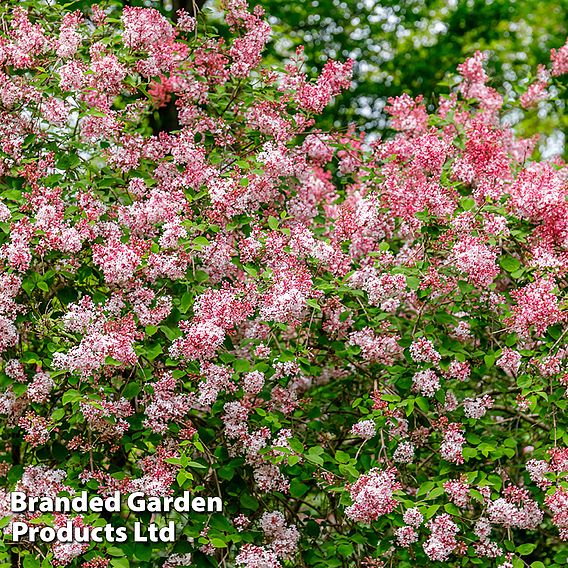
pixel 413 517
pixel 40 387
pixel 366 429
pixel 458 492
pixel 558 504
pixel 282 538
pixel 452 443
pixel 185 21
pixel 477 260
pixel 487 549
pixel 516 509
pixel 241 522
pixel 404 453
pixel 510 361
pixel 559 59
pixel 201 341
pixel 335 77
pixel 251 556
pixel 372 495
pixel 477 407
pixel 442 540
pixel 118 261
pixel 482 528
pixel 426 382
pixel 536 91
pixel 408 114
pixel 405 536
pixel 37 429
pixel 537 308
pixel 537 470
pixel 460 370
pixel 107 417
pixel 422 350
pixel 69 39
pixel 164 405
pixel 145 28
pixel 15 370
pixel 379 348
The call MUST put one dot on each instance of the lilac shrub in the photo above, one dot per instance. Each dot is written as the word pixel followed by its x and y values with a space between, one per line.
pixel 360 347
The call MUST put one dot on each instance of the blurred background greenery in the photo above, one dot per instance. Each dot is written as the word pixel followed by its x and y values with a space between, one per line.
pixel 412 46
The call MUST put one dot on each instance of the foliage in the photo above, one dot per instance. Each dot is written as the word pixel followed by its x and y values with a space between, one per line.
pixel 360 347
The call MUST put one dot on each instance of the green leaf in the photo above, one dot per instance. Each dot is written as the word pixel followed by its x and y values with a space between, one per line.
pixel 201 241
pixel 71 396
pixel 509 263
pixel 241 365
pixel 31 562
pixel 467 203
pixel 249 502
pixel 342 457
pixel 526 548
pixel 131 390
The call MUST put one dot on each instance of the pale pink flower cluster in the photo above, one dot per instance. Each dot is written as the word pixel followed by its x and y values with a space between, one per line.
pixel 405 536
pixel 408 114
pixel 422 351
pixel 559 59
pixel 536 91
pixel 252 556
pixel 413 517
pixel 383 290
pixel 376 348
pixel 40 387
pixel 281 537
pixel 15 370
pixel 558 464
pixel 145 29
pixel 103 336
pixel 365 429
pixel 117 260
pixel 404 453
pixel 477 407
pixel 510 361
pixel 372 495
pixel 460 370
pixel 452 443
pixel 107 417
pixel 442 540
pixel 477 260
pixel 69 39
pixel 426 382
pixel 516 509
pixel 334 78
pixel 164 405
pixel 37 429
pixel 457 491
pixel 217 379
pixel 65 552
pixel 9 288
pixel 474 84
pixel 557 502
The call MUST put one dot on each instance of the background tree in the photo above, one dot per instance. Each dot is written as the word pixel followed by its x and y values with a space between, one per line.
pixel 409 46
